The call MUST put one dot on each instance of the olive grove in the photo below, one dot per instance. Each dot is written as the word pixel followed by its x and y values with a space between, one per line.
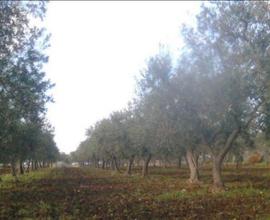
pixel 215 97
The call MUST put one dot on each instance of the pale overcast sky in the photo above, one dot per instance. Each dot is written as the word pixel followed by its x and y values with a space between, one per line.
pixel 97 49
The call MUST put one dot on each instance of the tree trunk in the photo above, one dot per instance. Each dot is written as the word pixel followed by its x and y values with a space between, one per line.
pixel 180 162
pixel 154 163
pixel 239 160
pixel 28 166
pixel 193 167
pixel 164 163
pixel 116 164
pixel 112 165
pixel 103 164
pixel 203 159
pixel 107 164
pixel 120 163
pixel 95 162
pixel 13 170
pixel 218 184
pixel 145 165
pixel 21 168
pixel 130 162
pixel 36 165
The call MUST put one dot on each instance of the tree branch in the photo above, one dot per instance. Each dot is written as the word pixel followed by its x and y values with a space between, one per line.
pixel 253 114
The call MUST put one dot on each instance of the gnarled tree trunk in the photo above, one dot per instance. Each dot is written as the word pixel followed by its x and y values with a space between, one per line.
pixel 130 162
pixel 146 165
pixel 116 164
pixel 218 184
pixel 192 162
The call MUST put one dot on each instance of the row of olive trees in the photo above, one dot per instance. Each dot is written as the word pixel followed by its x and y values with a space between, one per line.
pixel 24 133
pixel 213 99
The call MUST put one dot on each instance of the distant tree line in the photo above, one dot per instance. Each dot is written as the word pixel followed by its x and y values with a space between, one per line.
pixel 25 136
pixel 215 99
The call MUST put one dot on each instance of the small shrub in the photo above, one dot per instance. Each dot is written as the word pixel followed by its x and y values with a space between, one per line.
pixel 255 158
pixel 43 209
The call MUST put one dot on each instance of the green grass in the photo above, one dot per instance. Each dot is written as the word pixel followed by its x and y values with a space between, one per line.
pixel 8 181
pixel 183 194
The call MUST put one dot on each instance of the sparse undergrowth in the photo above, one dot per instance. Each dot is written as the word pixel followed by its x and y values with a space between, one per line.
pixel 85 193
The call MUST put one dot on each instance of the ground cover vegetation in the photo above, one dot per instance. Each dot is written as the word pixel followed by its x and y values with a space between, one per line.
pixel 89 193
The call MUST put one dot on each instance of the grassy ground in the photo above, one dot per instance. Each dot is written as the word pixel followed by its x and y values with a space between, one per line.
pixel 84 193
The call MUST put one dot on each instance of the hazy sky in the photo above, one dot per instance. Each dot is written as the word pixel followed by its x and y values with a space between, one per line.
pixel 97 49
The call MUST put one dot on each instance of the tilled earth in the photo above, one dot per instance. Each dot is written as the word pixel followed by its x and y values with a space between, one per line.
pixel 84 193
